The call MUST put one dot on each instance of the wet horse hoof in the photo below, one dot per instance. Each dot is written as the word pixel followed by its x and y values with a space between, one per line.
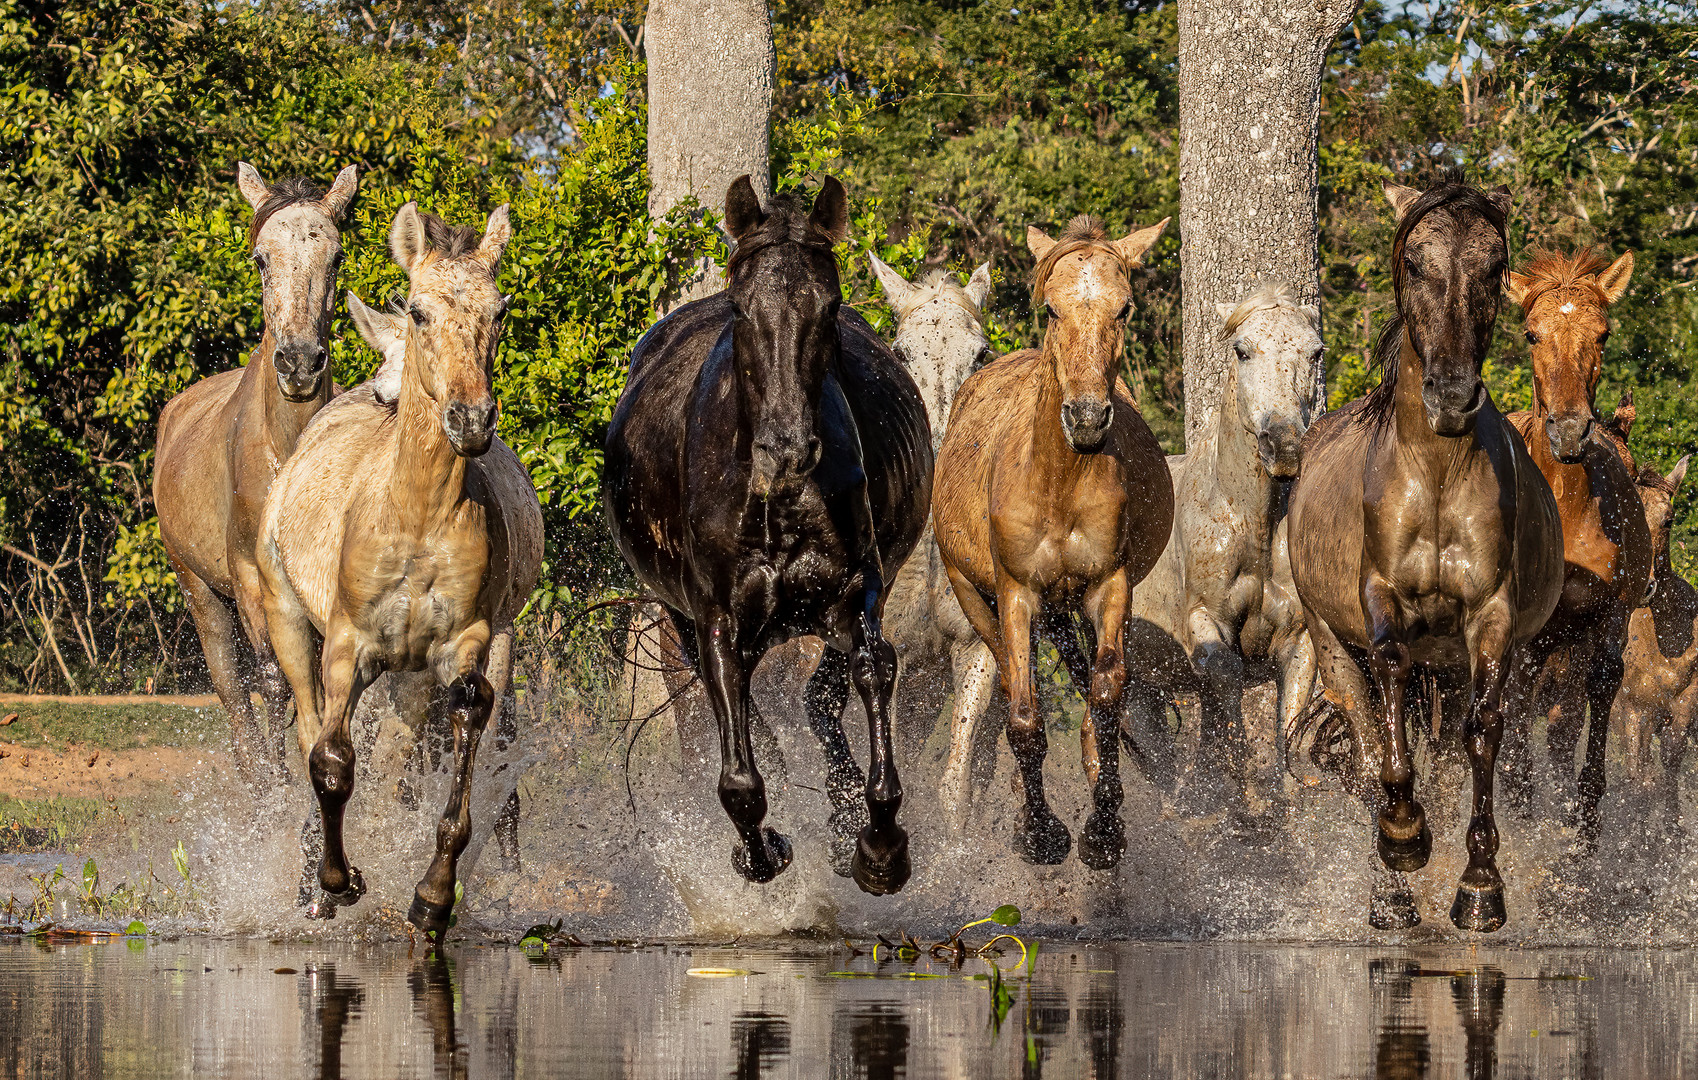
pixel 1405 855
pixel 881 865
pixel 324 905
pixel 774 857
pixel 1102 842
pixel 1393 910
pixel 1044 842
pixel 1478 909
pixel 430 918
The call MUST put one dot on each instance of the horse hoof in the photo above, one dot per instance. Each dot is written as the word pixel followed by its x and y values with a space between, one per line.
pixel 1478 909
pixel 430 918
pixel 1102 842
pixel 346 897
pixel 774 857
pixel 1044 842
pixel 1405 855
pixel 321 907
pixel 841 854
pixel 1394 910
pixel 881 865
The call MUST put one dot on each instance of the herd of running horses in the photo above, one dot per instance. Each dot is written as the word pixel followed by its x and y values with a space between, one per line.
pixel 776 470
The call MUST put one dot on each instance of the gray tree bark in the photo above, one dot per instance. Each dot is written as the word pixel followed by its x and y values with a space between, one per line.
pixel 1249 118
pixel 710 67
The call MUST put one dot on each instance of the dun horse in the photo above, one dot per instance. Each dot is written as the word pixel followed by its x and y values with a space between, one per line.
pixel 768 471
pixel 1422 533
pixel 1574 665
pixel 408 536
pixel 1052 494
pixel 1219 609
pixel 222 439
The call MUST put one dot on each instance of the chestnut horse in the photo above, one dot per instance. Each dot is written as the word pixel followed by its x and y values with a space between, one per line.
pixel 1575 660
pixel 1052 494
pixel 768 471
pixel 408 537
pixel 222 440
pixel 1422 533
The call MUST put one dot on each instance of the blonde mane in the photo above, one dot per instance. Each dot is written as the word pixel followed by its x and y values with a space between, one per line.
pixel 938 285
pixel 1266 298
pixel 1552 270
pixel 1082 233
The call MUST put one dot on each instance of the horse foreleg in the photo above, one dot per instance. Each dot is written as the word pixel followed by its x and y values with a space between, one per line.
pixel 1479 897
pixel 1297 668
pixel 217 634
pixel 344 675
pixel 763 854
pixel 1041 837
pixel 500 671
pixel 825 695
pixel 471 701
pixel 975 679
pixel 1603 681
pixel 1404 841
pixel 1103 840
pixel 881 864
pixel 291 635
pixel 1347 688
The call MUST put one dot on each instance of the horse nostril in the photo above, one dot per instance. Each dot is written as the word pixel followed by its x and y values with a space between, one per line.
pixel 1429 382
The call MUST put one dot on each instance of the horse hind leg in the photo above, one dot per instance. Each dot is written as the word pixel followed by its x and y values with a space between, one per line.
pixel 1603 681
pixel 500 665
pixel 217 632
pixel 825 696
pixel 273 687
pixel 763 853
pixel 471 701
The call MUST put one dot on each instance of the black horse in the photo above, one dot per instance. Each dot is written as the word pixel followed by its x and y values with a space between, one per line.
pixel 769 468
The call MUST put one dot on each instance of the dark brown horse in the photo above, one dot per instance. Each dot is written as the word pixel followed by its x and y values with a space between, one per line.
pixel 1573 667
pixel 1053 499
pixel 768 470
pixel 1422 533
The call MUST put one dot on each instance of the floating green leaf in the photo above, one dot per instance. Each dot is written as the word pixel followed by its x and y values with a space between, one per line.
pixel 1006 915
pixel 137 928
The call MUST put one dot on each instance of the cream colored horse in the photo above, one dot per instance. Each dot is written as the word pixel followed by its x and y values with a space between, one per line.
pixel 409 537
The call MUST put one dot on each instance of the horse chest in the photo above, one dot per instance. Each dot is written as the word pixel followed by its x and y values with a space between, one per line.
pixel 416 599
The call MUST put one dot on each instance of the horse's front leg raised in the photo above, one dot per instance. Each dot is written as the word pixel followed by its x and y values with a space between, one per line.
pixel 1041 837
pixel 881 864
pixel 1404 842
pixel 763 853
pixel 1479 897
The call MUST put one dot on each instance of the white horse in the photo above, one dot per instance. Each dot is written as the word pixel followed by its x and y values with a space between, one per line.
pixel 940 336
pixel 1220 611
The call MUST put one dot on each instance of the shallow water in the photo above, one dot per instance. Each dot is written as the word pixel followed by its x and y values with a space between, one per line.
pixel 212 1007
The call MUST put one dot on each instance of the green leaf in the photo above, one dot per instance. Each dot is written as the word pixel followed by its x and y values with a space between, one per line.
pixel 1006 915
pixel 137 928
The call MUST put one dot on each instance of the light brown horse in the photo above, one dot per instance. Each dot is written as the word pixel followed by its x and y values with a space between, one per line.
pixel 1574 665
pixel 223 439
pixel 1051 494
pixel 1422 533
pixel 409 537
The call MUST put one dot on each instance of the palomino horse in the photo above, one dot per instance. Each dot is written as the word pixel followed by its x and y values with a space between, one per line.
pixel 1422 533
pixel 409 537
pixel 1574 664
pixel 1217 612
pixel 768 469
pixel 222 439
pixel 1052 493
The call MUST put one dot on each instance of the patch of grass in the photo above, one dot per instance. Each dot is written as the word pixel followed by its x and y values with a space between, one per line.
pixel 58 724
pixel 45 824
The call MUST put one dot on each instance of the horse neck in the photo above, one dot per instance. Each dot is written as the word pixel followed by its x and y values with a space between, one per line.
pixel 1230 456
pixel 284 420
pixel 426 476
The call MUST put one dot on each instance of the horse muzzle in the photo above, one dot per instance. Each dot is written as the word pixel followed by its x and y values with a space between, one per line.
pixel 1569 436
pixel 470 427
pixel 1452 406
pixel 1085 423
pixel 1280 446
pixel 300 370
pixel 781 464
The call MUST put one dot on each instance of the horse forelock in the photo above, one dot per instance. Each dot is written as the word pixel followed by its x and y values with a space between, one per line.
pixel 445 241
pixel 788 220
pixel 290 191
pixel 1551 271
pixel 938 285
pixel 1268 297
pixel 1083 233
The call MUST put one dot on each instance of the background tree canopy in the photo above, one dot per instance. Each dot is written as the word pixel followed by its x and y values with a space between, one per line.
pixel 955 125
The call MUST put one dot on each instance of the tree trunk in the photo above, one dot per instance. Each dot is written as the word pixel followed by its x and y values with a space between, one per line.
pixel 710 96
pixel 1249 117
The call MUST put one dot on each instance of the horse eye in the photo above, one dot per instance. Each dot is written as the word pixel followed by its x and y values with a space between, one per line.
pixel 1532 338
pixel 418 314
pixel 1049 309
pixel 259 261
pixel 1238 348
pixel 1410 266
pixel 1603 337
pixel 1125 310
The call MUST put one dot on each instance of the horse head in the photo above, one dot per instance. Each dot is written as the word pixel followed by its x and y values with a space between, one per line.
pixel 1657 492
pixel 1448 265
pixel 1082 283
pixel 386 333
pixel 455 312
pixel 1277 344
pixel 784 289
pixel 295 245
pixel 1565 300
pixel 940 332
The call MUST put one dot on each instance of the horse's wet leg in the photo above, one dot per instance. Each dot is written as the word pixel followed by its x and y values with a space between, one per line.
pixel 975 685
pixel 273 687
pixel 331 766
pixel 312 853
pixel 1147 736
pixel 763 853
pixel 1479 897
pixel 1602 684
pixel 1391 902
pixel 1103 840
pixel 471 700
pixel 1040 837
pixel 217 632
pixel 881 865
pixel 826 694
pixel 1404 841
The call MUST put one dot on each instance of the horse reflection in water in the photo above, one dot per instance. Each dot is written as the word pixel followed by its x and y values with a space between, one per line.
pixel 1403 1047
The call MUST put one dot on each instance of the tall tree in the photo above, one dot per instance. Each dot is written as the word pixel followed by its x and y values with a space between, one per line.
pixel 710 98
pixel 1249 114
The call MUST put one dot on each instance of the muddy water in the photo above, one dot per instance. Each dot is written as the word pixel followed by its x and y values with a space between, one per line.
pixel 210 1007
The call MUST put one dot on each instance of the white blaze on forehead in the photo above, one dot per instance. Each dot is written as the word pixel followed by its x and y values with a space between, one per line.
pixel 1566 309
pixel 1087 286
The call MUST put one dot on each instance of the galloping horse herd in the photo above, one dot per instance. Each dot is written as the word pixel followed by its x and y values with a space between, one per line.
pixel 774 469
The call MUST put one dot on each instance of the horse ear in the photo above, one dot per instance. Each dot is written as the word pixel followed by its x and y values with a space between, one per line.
pixel 341 192
pixel 379 329
pixel 742 208
pixel 1614 279
pixel 1625 413
pixel 1134 244
pixel 1225 311
pixel 1517 285
pixel 1501 198
pixel 1314 314
pixel 1038 242
pixel 895 286
pixel 496 233
pixel 1678 474
pixel 830 214
pixel 249 183
pixel 407 238
pixel 979 286
pixel 1400 197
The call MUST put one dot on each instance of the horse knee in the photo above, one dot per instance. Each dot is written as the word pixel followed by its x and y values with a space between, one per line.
pixel 743 795
pixel 471 698
pixel 873 667
pixel 331 765
pixel 1108 681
